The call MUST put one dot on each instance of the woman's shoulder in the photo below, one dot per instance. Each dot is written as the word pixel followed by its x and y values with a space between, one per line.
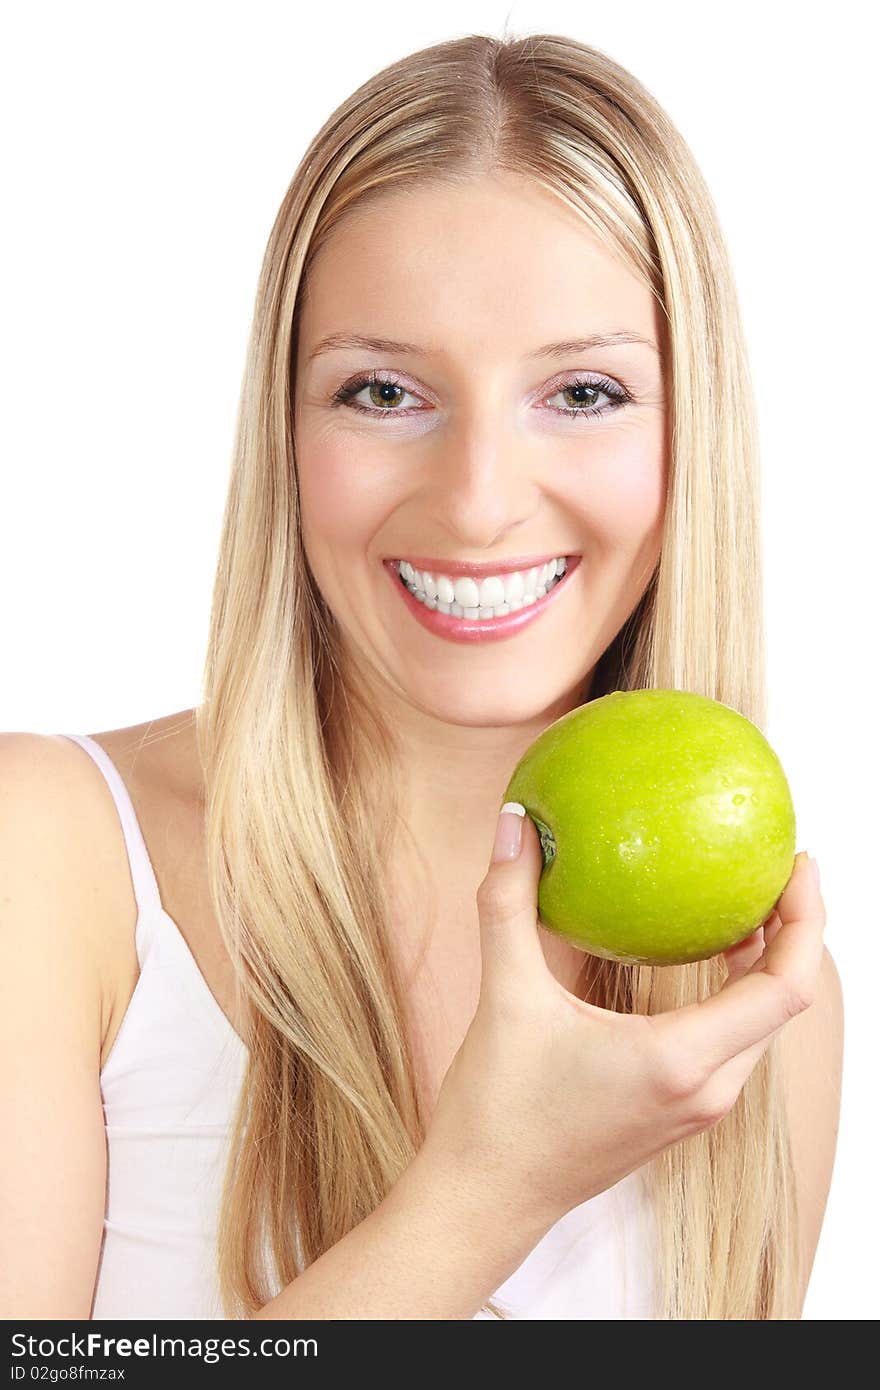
pixel 53 786
pixel 158 765
pixel 159 757
pixel 56 808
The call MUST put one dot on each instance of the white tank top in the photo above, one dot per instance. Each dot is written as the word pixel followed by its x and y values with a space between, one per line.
pixel 169 1090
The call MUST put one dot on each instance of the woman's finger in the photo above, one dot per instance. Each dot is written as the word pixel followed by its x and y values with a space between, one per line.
pixel 771 927
pixel 777 986
pixel 740 958
pixel 735 1073
pixel 507 902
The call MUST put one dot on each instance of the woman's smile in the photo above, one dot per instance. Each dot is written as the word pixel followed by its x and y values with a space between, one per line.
pixel 452 608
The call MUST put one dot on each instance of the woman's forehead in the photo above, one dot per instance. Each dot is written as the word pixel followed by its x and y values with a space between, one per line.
pixel 478 265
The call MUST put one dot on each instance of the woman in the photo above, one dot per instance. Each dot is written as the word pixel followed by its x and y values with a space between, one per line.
pixel 304 980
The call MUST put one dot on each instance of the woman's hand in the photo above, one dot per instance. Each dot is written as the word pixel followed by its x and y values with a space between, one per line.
pixel 551 1100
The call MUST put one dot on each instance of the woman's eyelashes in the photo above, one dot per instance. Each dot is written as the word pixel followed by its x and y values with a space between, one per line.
pixel 386 389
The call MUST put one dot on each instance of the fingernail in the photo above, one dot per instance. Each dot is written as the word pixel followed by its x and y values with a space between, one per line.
pixel 508 832
pixel 814 865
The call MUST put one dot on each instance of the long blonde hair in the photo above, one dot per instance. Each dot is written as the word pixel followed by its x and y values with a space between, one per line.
pixel 300 768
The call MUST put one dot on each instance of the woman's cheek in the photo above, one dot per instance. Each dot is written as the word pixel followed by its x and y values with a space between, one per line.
pixel 335 493
pixel 623 493
pixel 346 498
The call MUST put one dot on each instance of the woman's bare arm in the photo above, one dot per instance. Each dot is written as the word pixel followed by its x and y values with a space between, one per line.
pixel 53 1158
pixel 435 1248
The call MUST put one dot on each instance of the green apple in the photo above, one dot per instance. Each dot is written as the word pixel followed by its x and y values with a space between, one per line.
pixel 667 825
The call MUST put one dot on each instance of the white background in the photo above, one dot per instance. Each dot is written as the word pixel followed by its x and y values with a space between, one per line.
pixel 146 151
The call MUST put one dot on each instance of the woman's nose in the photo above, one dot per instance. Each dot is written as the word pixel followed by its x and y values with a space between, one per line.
pixel 484 482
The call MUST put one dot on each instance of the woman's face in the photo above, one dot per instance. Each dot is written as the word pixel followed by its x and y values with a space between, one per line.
pixel 465 453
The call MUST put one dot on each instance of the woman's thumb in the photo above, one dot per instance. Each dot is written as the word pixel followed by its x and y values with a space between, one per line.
pixel 507 898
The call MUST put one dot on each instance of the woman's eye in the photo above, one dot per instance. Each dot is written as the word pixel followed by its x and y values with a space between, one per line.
pixel 583 396
pixel 385 396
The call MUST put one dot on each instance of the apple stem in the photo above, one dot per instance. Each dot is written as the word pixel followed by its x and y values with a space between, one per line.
pixel 548 843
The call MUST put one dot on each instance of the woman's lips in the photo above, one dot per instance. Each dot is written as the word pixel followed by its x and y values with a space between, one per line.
pixel 478 629
pixel 479 569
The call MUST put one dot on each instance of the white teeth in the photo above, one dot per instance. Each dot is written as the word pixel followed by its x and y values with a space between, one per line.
pixel 514 588
pixel 491 591
pixel 494 596
pixel 467 593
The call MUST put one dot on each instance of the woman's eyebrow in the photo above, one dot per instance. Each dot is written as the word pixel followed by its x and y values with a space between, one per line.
pixel 336 341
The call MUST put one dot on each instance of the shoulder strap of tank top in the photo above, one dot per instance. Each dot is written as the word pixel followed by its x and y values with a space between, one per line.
pixel 143 878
